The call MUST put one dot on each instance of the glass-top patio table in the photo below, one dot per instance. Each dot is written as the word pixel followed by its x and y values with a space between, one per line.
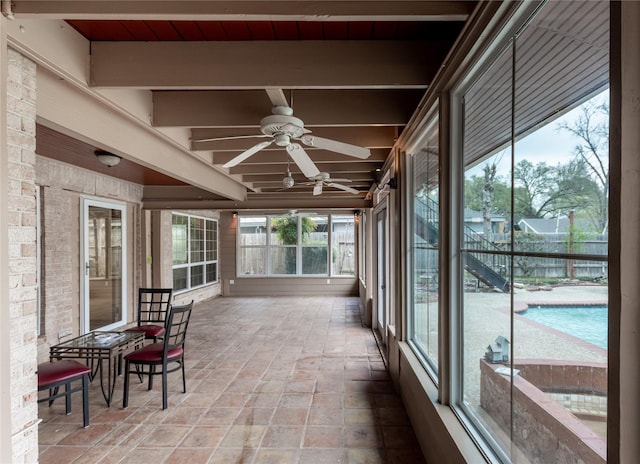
pixel 96 347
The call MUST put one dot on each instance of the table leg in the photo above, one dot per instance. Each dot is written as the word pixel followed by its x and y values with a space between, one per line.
pixel 94 370
pixel 113 376
pixel 107 391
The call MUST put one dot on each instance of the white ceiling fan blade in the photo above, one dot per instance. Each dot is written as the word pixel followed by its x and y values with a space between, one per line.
pixel 343 187
pixel 301 158
pixel 246 154
pixel 334 145
pixel 231 137
pixel 317 188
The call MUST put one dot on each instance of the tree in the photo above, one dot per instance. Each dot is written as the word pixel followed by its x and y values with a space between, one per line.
pixel 473 188
pixel 592 130
pixel 527 242
pixel 546 191
pixel 286 228
pixel 579 188
pixel 534 184
pixel 487 199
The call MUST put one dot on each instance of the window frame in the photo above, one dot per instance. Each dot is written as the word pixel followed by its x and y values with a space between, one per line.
pixel 269 246
pixel 428 360
pixel 483 438
pixel 208 224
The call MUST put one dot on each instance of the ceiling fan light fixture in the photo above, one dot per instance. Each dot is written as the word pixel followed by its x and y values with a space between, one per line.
pixel 106 158
pixel 287 181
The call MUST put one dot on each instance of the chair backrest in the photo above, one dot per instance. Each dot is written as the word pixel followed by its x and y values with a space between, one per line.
pixel 176 327
pixel 153 305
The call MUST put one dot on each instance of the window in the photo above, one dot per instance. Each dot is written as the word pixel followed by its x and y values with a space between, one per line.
pixel 315 245
pixel 284 244
pixel 425 227
pixel 195 251
pixel 296 245
pixel 533 240
pixel 343 256
pixel 362 234
pixel 252 245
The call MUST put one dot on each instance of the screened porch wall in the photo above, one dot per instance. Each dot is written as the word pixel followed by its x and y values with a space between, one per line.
pixel 271 286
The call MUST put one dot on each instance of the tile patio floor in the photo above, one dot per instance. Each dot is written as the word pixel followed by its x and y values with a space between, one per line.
pixel 269 380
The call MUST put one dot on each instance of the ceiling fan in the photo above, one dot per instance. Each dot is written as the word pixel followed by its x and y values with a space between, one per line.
pixel 323 178
pixel 284 129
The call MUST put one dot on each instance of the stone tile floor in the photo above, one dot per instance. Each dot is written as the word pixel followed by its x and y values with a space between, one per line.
pixel 269 380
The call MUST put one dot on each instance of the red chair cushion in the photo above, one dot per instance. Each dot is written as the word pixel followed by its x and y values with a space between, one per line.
pixel 153 353
pixel 60 371
pixel 150 330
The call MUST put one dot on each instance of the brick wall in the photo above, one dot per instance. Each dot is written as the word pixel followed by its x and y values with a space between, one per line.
pixel 544 430
pixel 56 277
pixel 21 131
pixel 62 188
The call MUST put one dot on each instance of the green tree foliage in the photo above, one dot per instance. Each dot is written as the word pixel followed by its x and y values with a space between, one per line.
pixel 547 191
pixel 544 191
pixel 286 228
pixel 473 194
pixel 487 198
pixel 539 191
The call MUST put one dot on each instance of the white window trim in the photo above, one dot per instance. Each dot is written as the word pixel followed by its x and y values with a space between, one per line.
pixel 299 246
pixel 188 265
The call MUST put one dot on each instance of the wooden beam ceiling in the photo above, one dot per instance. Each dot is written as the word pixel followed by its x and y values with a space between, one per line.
pixel 186 71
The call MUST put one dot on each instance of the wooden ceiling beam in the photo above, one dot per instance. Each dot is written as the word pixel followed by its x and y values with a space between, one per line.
pixel 244 11
pixel 180 192
pixel 358 166
pixel 301 186
pixel 262 64
pixel 279 157
pixel 360 177
pixel 245 108
pixel 261 202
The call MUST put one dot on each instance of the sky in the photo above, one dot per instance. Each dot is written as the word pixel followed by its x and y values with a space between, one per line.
pixel 548 144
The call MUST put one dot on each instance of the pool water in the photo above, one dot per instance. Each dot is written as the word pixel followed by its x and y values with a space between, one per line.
pixel 590 323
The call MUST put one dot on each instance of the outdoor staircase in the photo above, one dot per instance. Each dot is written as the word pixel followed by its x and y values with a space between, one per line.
pixel 484 273
pixel 480 265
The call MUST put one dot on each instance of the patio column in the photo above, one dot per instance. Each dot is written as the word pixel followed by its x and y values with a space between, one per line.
pixel 624 370
pixel 18 255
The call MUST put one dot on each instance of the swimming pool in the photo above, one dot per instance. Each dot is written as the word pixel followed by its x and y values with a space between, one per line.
pixel 590 323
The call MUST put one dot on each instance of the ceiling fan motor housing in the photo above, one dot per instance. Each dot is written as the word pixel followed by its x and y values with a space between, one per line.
pixel 282 124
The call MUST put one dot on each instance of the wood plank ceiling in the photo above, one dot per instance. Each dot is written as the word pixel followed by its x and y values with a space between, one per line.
pixel 352 71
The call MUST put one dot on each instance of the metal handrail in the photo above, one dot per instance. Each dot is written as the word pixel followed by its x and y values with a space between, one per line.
pixel 490 267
